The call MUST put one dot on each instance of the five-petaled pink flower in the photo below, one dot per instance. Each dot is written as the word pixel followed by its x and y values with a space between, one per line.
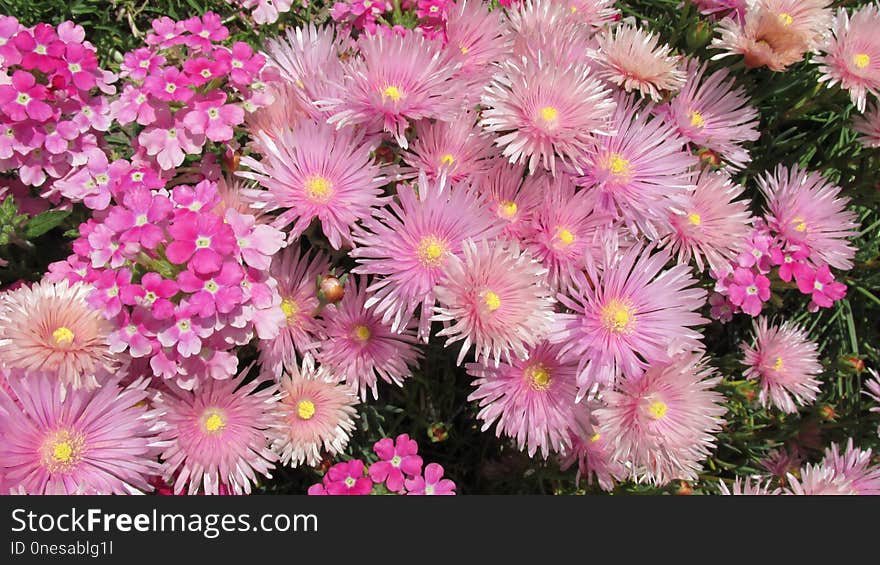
pixel 397 458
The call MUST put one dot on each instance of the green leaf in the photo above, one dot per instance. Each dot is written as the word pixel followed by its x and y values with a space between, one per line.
pixel 42 223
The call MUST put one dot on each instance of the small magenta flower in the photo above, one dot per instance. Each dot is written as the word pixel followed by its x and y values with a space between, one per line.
pixel 348 478
pixel 157 292
pixel 756 252
pixel 721 308
pixel 24 98
pixel 220 292
pixel 821 285
pixel 169 141
pixel 749 290
pixel 397 459
pixel 432 483
pixel 170 85
pixel 790 262
pixel 186 332
pixel 213 117
pixel 138 220
pixel 202 239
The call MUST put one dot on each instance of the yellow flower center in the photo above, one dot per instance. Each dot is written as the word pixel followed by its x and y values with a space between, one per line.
pixel 595 437
pixel 778 365
pixel 318 189
pixel 63 336
pixel 657 409
pixel 695 219
pixel 392 92
pixel 618 166
pixel 565 236
pixel 549 114
pixel 861 60
pixel 289 307
pixel 447 160
pixel 464 50
pixel 305 409
pixel 538 376
pixel 492 300
pixel 362 333
pixel 617 316
pixel 573 9
pixel 214 423
pixel 696 119
pixel 786 19
pixel 431 251
pixel 507 209
pixel 62 451
pixel 799 224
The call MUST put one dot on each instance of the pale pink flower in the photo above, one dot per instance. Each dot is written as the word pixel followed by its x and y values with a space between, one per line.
pixel 450 151
pixel 855 466
pixel 852 54
pixel 868 124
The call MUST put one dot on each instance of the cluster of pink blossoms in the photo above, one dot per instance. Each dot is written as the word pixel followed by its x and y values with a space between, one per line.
pixel 398 471
pixel 524 185
pixel 53 101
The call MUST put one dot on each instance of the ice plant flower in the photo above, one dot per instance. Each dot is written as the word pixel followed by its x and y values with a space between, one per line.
pixel 664 423
pixel 542 110
pixel 432 483
pixel 591 450
pixel 313 171
pixel 785 362
pixel 807 210
pixel 854 465
pixel 451 151
pixel 50 327
pixel 217 436
pixel 711 223
pixel 513 195
pixel 750 486
pixel 315 414
pixel 408 244
pixel 87 442
pixel 628 317
pixel 852 54
pixel 634 59
pixel 819 480
pixel 530 400
pixel 475 42
pixel 868 124
pixel 495 297
pixel 398 460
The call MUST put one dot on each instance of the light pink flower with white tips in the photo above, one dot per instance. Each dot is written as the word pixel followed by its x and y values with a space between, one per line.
pixel 807 210
pixel 591 450
pixel 396 81
pixel 818 480
pixel 750 486
pixel 852 54
pixel 513 195
pixel 549 27
pixel 217 435
pixel 786 362
pixel 638 173
pixel 868 124
pixel 496 298
pixel 630 316
pixel 663 424
pixel 530 400
pixel 409 243
pixel 313 172
pixel 476 42
pixel 50 327
pixel 359 348
pixel 315 414
pixel 854 465
pixel 543 111
pixel 595 13
pixel 297 276
pixel 634 59
pixel 450 151
pixel 711 223
pixel 711 113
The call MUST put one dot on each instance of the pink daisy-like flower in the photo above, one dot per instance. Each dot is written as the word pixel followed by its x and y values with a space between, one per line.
pixel 550 28
pixel 496 298
pixel 591 450
pixel 819 480
pixel 297 276
pixel 764 38
pixel 217 435
pixel 711 223
pixel 359 348
pixel 639 172
pixel 313 172
pixel 854 465
pixel 397 459
pixel 710 113
pixel 475 41
pixel 595 13
pixel 315 413
pixel 397 79
pixel 632 59
pixel 531 400
pixel 852 54
pixel 750 486
pixel 806 210
pixel 629 317
pixel 564 230
pixel 409 243
pixel 868 124
pixel 431 484
pixel 513 195
pixel 786 362
pixel 87 442
pixel 50 327
pixel 450 151
pixel 543 110
pixel 663 423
